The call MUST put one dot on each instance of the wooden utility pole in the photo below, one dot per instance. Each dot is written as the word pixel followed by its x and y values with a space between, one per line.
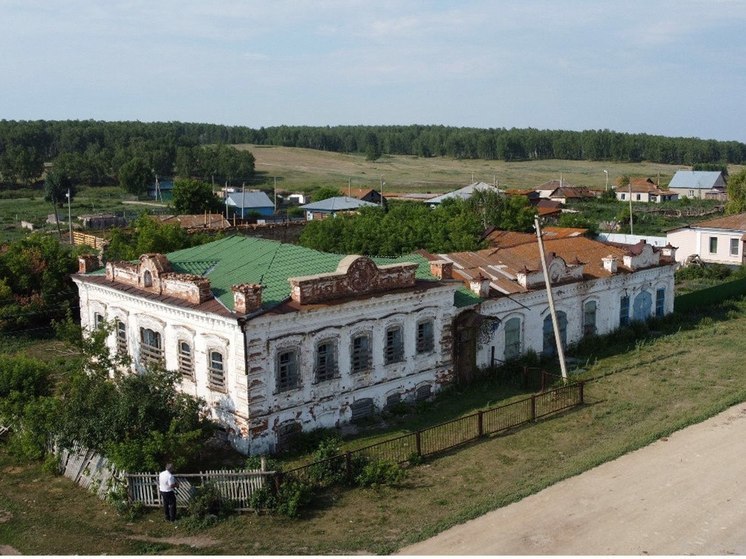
pixel 550 299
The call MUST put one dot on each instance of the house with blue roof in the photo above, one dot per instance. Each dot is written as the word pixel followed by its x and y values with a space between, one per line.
pixel 333 206
pixel 245 204
pixel 698 184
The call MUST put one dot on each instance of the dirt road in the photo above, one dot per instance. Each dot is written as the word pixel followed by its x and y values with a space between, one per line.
pixel 685 494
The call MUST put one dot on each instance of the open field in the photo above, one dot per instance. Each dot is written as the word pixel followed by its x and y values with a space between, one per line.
pixel 644 389
pixel 297 168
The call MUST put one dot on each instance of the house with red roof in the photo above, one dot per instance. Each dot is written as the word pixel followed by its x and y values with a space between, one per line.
pixel 644 190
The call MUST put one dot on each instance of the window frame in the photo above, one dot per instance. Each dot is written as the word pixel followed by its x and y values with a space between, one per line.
pixel 425 336
pixel 151 354
pixel 393 348
pixel 713 244
pixel 590 329
pixel 660 301
pixel 121 337
pixel 185 360
pixel 735 243
pixel 624 305
pixel 216 374
pixel 361 358
pixel 513 350
pixel 326 366
pixel 291 382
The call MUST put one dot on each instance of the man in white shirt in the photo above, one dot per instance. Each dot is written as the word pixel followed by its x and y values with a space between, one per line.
pixel 167 485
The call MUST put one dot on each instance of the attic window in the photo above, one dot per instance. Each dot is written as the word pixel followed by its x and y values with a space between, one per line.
pixel 147 279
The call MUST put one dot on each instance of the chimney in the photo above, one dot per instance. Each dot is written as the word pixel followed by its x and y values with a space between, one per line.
pixel 480 286
pixel 441 269
pixel 669 250
pixel 247 298
pixel 610 264
pixel 88 263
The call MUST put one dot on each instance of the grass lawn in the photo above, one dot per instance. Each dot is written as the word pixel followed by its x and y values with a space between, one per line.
pixel 689 369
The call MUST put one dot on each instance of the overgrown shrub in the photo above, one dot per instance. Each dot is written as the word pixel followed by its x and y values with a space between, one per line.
pixel 118 498
pixel 380 472
pixel 293 497
pixel 208 507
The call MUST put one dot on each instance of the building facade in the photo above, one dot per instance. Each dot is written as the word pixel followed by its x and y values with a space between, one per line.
pixel 279 339
pixel 271 359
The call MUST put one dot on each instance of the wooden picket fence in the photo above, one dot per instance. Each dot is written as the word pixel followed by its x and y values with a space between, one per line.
pixel 233 485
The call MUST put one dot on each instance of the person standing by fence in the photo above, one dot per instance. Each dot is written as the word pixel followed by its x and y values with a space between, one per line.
pixel 167 485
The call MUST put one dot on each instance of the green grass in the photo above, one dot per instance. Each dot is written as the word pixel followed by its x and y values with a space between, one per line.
pixel 688 369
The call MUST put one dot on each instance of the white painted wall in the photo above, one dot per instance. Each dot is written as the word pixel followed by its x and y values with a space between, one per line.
pixel 532 308
pixel 693 240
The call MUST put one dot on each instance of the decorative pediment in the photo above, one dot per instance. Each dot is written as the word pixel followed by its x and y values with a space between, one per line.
pixel 355 276
pixel 559 272
pixel 153 273
pixel 641 255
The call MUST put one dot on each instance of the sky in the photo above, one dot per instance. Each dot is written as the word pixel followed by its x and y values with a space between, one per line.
pixel 675 68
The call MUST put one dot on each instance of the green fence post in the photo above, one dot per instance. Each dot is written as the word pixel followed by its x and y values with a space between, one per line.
pixel 480 425
pixel 582 394
pixel 533 407
pixel 418 443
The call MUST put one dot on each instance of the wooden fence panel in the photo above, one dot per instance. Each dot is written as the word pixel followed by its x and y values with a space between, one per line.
pixel 237 486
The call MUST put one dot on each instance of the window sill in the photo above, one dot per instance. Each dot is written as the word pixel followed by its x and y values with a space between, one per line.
pixel 221 389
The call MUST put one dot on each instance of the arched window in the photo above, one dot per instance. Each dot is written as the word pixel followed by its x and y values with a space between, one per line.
pixel 425 336
pixel 147 278
pixel 660 301
pixel 360 352
pixel 287 370
pixel 394 349
pixel 550 346
pixel 512 338
pixel 121 338
pixel 643 306
pixel 186 360
pixel 589 318
pixel 151 347
pixel 216 370
pixel 326 361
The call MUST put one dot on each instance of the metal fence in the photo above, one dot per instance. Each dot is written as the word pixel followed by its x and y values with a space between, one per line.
pixel 235 486
pixel 451 434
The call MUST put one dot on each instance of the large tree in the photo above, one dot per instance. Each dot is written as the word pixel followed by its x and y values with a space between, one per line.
pixel 135 175
pixel 736 188
pixel 192 197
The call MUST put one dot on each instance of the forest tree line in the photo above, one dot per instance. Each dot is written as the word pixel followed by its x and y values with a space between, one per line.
pixel 93 152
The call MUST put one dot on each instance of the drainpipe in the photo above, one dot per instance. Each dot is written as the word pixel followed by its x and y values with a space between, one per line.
pixel 550 299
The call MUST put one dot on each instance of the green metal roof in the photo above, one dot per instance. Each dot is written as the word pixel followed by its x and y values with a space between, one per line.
pixel 235 260
pixel 465 298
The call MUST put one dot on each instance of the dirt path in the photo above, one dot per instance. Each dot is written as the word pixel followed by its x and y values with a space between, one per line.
pixel 685 494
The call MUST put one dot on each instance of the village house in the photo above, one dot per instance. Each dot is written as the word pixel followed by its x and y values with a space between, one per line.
pixel 277 338
pixel 332 206
pixel 465 193
pixel 717 241
pixel 563 192
pixel 246 203
pixel 698 184
pixel 644 190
